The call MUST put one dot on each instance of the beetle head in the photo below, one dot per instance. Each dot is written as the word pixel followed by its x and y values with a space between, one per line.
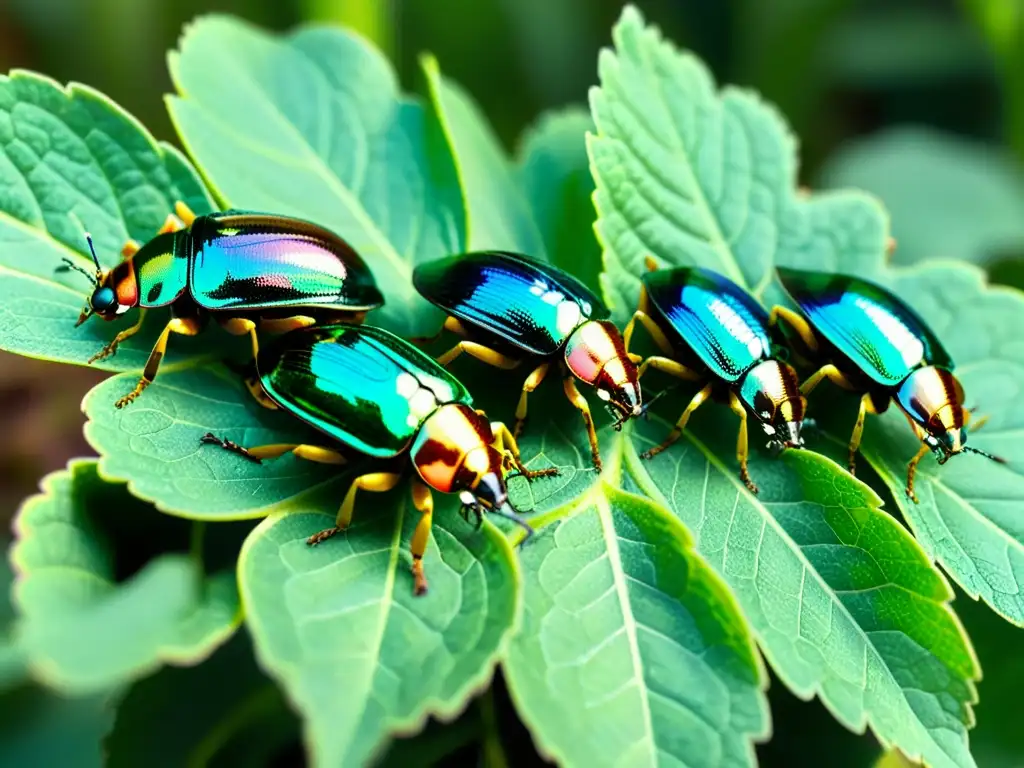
pixel 103 300
pixel 771 392
pixel 596 354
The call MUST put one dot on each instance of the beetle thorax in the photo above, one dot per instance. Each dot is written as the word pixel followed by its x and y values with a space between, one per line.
pixel 933 398
pixel 452 450
pixel 596 354
pixel 771 392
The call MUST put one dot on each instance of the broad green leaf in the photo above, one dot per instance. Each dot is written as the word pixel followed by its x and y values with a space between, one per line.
pixel 498 216
pixel 66 587
pixel 154 445
pixel 72 161
pixel 215 707
pixel 632 651
pixel 843 601
pixel 968 517
pixel 12 657
pixel 38 727
pixel 692 176
pixel 313 125
pixel 339 627
pixel 554 171
pixel 949 198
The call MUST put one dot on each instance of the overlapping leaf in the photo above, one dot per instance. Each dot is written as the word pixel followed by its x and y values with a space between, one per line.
pixel 498 215
pixel 554 171
pixel 66 589
pixel 625 625
pixel 72 161
pixel 691 176
pixel 313 125
pixel 339 626
pixel 948 198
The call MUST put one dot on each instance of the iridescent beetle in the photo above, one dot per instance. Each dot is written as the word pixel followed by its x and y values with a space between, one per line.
pixel 509 306
pixel 245 269
pixel 722 333
pixel 870 341
pixel 381 397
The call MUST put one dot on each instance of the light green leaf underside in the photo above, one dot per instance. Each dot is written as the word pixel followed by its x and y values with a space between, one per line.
pixel 497 212
pixel 949 198
pixel 154 445
pixel 72 161
pixel 624 625
pixel 693 176
pixel 65 590
pixel 969 516
pixel 554 172
pixel 843 601
pixel 339 627
pixel 313 125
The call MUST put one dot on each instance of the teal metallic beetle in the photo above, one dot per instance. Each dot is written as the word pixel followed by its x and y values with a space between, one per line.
pixel 870 341
pixel 722 333
pixel 510 307
pixel 243 268
pixel 381 397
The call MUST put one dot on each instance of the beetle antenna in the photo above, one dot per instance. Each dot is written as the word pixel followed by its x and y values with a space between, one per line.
pixel 972 449
pixel 508 513
pixel 69 264
pixel 92 250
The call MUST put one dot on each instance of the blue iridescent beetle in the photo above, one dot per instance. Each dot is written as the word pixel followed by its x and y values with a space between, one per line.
pixel 870 341
pixel 712 331
pixel 245 269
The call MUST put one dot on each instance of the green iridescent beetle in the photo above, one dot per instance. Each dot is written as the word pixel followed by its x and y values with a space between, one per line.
pixel 868 340
pixel 381 397
pixel 245 269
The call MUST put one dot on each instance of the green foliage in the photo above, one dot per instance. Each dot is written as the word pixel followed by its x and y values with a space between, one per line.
pixel 632 627
pixel 948 198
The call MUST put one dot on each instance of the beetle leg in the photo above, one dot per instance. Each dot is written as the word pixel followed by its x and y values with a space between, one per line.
pixel 741 441
pixel 130 248
pixel 569 385
pixel 450 324
pixel 831 372
pixel 284 324
pixel 858 430
pixel 127 333
pixel 647 322
pixel 505 443
pixel 184 213
pixel 375 482
pixel 532 382
pixel 186 326
pixel 424 502
pixel 912 470
pixel 480 352
pixel 799 324
pixel 668 366
pixel 677 430
pixel 240 326
pixel 258 453
pixel 171 224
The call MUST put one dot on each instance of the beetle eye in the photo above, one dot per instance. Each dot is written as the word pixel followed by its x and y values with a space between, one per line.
pixel 103 300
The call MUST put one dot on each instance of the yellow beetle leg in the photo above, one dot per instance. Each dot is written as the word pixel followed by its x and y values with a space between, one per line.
pixel 677 430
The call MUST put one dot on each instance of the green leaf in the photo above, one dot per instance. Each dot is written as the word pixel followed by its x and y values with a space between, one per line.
pixel 154 445
pixel 625 625
pixel 313 125
pixel 842 600
pixel 214 707
pixel 38 727
pixel 70 161
pixel 498 215
pixel 968 517
pixel 949 198
pixel 692 176
pixel 554 171
pixel 339 627
pixel 66 587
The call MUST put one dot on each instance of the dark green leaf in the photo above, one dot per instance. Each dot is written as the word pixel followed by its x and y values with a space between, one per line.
pixel 339 626
pixel 72 161
pixel 313 125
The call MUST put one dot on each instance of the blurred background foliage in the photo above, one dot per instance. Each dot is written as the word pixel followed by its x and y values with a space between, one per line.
pixel 919 101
